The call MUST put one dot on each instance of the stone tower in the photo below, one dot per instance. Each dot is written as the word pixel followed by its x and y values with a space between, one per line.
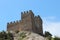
pixel 28 22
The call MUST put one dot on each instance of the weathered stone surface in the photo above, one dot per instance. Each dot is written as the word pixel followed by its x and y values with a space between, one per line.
pixel 28 36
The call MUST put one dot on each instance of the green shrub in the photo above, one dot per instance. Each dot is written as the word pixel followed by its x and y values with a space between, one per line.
pixel 23 35
pixel 6 36
pixel 56 38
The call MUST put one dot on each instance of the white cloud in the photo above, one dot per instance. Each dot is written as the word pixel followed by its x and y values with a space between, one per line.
pixel 52 27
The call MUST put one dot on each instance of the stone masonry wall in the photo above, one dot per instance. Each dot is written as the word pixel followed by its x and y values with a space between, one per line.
pixel 28 22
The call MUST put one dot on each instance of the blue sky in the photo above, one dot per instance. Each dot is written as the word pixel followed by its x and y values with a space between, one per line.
pixel 49 10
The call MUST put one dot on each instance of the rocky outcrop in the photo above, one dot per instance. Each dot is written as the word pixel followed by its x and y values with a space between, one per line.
pixel 24 35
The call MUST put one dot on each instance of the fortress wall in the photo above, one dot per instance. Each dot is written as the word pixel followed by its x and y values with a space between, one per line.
pixel 28 22
pixel 13 25
pixel 38 23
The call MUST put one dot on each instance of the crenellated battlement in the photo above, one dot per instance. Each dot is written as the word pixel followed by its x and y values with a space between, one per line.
pixel 14 23
pixel 26 13
pixel 38 17
pixel 23 14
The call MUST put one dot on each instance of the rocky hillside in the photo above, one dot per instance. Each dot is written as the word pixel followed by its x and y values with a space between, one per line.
pixel 24 35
